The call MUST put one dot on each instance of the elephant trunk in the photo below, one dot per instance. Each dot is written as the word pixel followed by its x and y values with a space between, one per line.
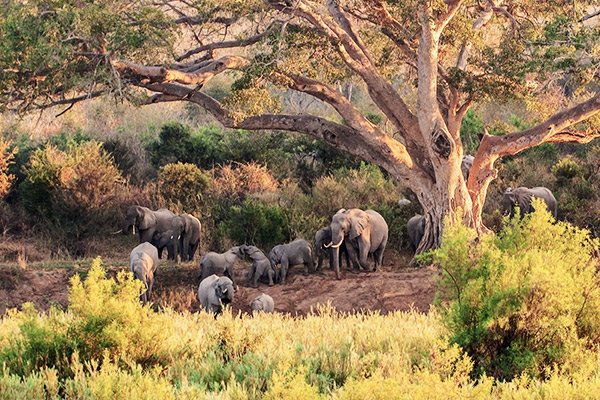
pixel 336 254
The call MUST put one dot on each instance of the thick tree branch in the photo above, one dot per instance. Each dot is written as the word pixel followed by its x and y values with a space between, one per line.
pixel 445 18
pixel 384 151
pixel 199 77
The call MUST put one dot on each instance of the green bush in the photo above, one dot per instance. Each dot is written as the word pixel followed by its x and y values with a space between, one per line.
pixel 257 224
pixel 74 193
pixel 527 300
pixel 182 186
pixel 566 169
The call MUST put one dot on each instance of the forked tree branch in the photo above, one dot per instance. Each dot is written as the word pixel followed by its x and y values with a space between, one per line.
pixel 199 77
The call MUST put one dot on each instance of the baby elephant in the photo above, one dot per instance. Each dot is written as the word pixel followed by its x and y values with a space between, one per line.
pixel 263 303
pixel 261 266
pixel 294 253
pixel 220 264
pixel 143 262
pixel 166 239
pixel 213 292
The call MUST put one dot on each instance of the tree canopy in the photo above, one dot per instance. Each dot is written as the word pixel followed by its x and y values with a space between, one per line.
pixel 424 64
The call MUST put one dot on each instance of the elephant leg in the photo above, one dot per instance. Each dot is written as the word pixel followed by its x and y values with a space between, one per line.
pixel 353 256
pixel 193 248
pixel 229 273
pixel 305 271
pixel 257 274
pixel 363 260
pixel 271 274
pixel 319 260
pixel 284 270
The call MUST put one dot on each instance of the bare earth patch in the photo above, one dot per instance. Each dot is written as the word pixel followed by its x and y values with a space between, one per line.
pixel 390 289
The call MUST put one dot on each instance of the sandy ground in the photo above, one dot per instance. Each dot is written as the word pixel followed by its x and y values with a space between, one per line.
pixel 394 287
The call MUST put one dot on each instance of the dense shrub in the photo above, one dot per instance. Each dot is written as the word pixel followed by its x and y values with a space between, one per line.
pixel 182 186
pixel 73 193
pixel 527 300
pixel 6 159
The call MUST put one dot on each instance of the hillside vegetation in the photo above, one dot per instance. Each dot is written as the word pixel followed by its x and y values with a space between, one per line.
pixel 518 317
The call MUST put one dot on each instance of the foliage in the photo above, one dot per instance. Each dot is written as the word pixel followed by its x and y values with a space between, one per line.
pixel 183 186
pixel 6 159
pixel 472 126
pixel 525 301
pixel 73 192
pixel 255 223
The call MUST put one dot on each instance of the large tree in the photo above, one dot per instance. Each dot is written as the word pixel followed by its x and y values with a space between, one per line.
pixel 423 64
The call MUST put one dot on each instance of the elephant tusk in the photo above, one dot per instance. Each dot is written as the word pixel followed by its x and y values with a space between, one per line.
pixel 328 245
pixel 335 246
pixel 119 231
pixel 225 290
pixel 134 229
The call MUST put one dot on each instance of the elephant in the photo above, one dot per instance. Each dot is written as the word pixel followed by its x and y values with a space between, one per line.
pixel 165 239
pixel 220 264
pixel 521 197
pixel 322 238
pixel 261 267
pixel 366 232
pixel 465 165
pixel 296 252
pixel 215 291
pixel 263 303
pixel 416 229
pixel 143 262
pixel 188 229
pixel 147 222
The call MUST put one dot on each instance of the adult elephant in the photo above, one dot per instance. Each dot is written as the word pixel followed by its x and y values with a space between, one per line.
pixel 521 197
pixel 296 252
pixel 187 229
pixel 220 263
pixel 365 232
pixel 143 262
pixel 147 222
pixel 215 291
pixel 416 229
pixel 322 248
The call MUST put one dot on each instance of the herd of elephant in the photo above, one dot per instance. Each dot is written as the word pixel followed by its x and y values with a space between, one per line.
pixel 353 234
pixel 520 197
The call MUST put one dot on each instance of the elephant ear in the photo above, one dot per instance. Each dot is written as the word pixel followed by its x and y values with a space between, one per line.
pixel 360 222
pixel 146 219
pixel 277 253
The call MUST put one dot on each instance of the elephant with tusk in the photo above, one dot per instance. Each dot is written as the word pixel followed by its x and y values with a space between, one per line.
pixel 147 222
pixel 220 263
pixel 215 291
pixel 366 232
pixel 323 247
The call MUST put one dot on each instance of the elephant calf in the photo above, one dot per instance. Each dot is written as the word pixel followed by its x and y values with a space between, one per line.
pixel 296 252
pixel 263 303
pixel 165 239
pixel 261 266
pixel 215 291
pixel 220 263
pixel 143 262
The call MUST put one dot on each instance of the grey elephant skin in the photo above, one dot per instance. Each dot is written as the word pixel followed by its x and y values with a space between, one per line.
pixel 521 197
pixel 166 240
pixel 465 165
pixel 187 228
pixel 215 291
pixel 297 252
pixel 322 240
pixel 143 262
pixel 261 268
pixel 366 232
pixel 263 303
pixel 220 263
pixel 416 229
pixel 147 222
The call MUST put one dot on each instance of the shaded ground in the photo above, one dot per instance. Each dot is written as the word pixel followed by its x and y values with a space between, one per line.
pixel 393 288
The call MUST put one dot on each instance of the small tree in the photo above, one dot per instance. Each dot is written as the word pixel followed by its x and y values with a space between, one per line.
pixel 74 191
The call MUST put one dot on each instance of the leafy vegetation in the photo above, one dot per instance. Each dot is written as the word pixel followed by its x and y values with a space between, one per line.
pixel 524 301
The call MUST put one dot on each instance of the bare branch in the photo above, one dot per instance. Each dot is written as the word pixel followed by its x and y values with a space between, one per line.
pixel 444 19
pixel 589 16
pixel 199 77
pixel 229 44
